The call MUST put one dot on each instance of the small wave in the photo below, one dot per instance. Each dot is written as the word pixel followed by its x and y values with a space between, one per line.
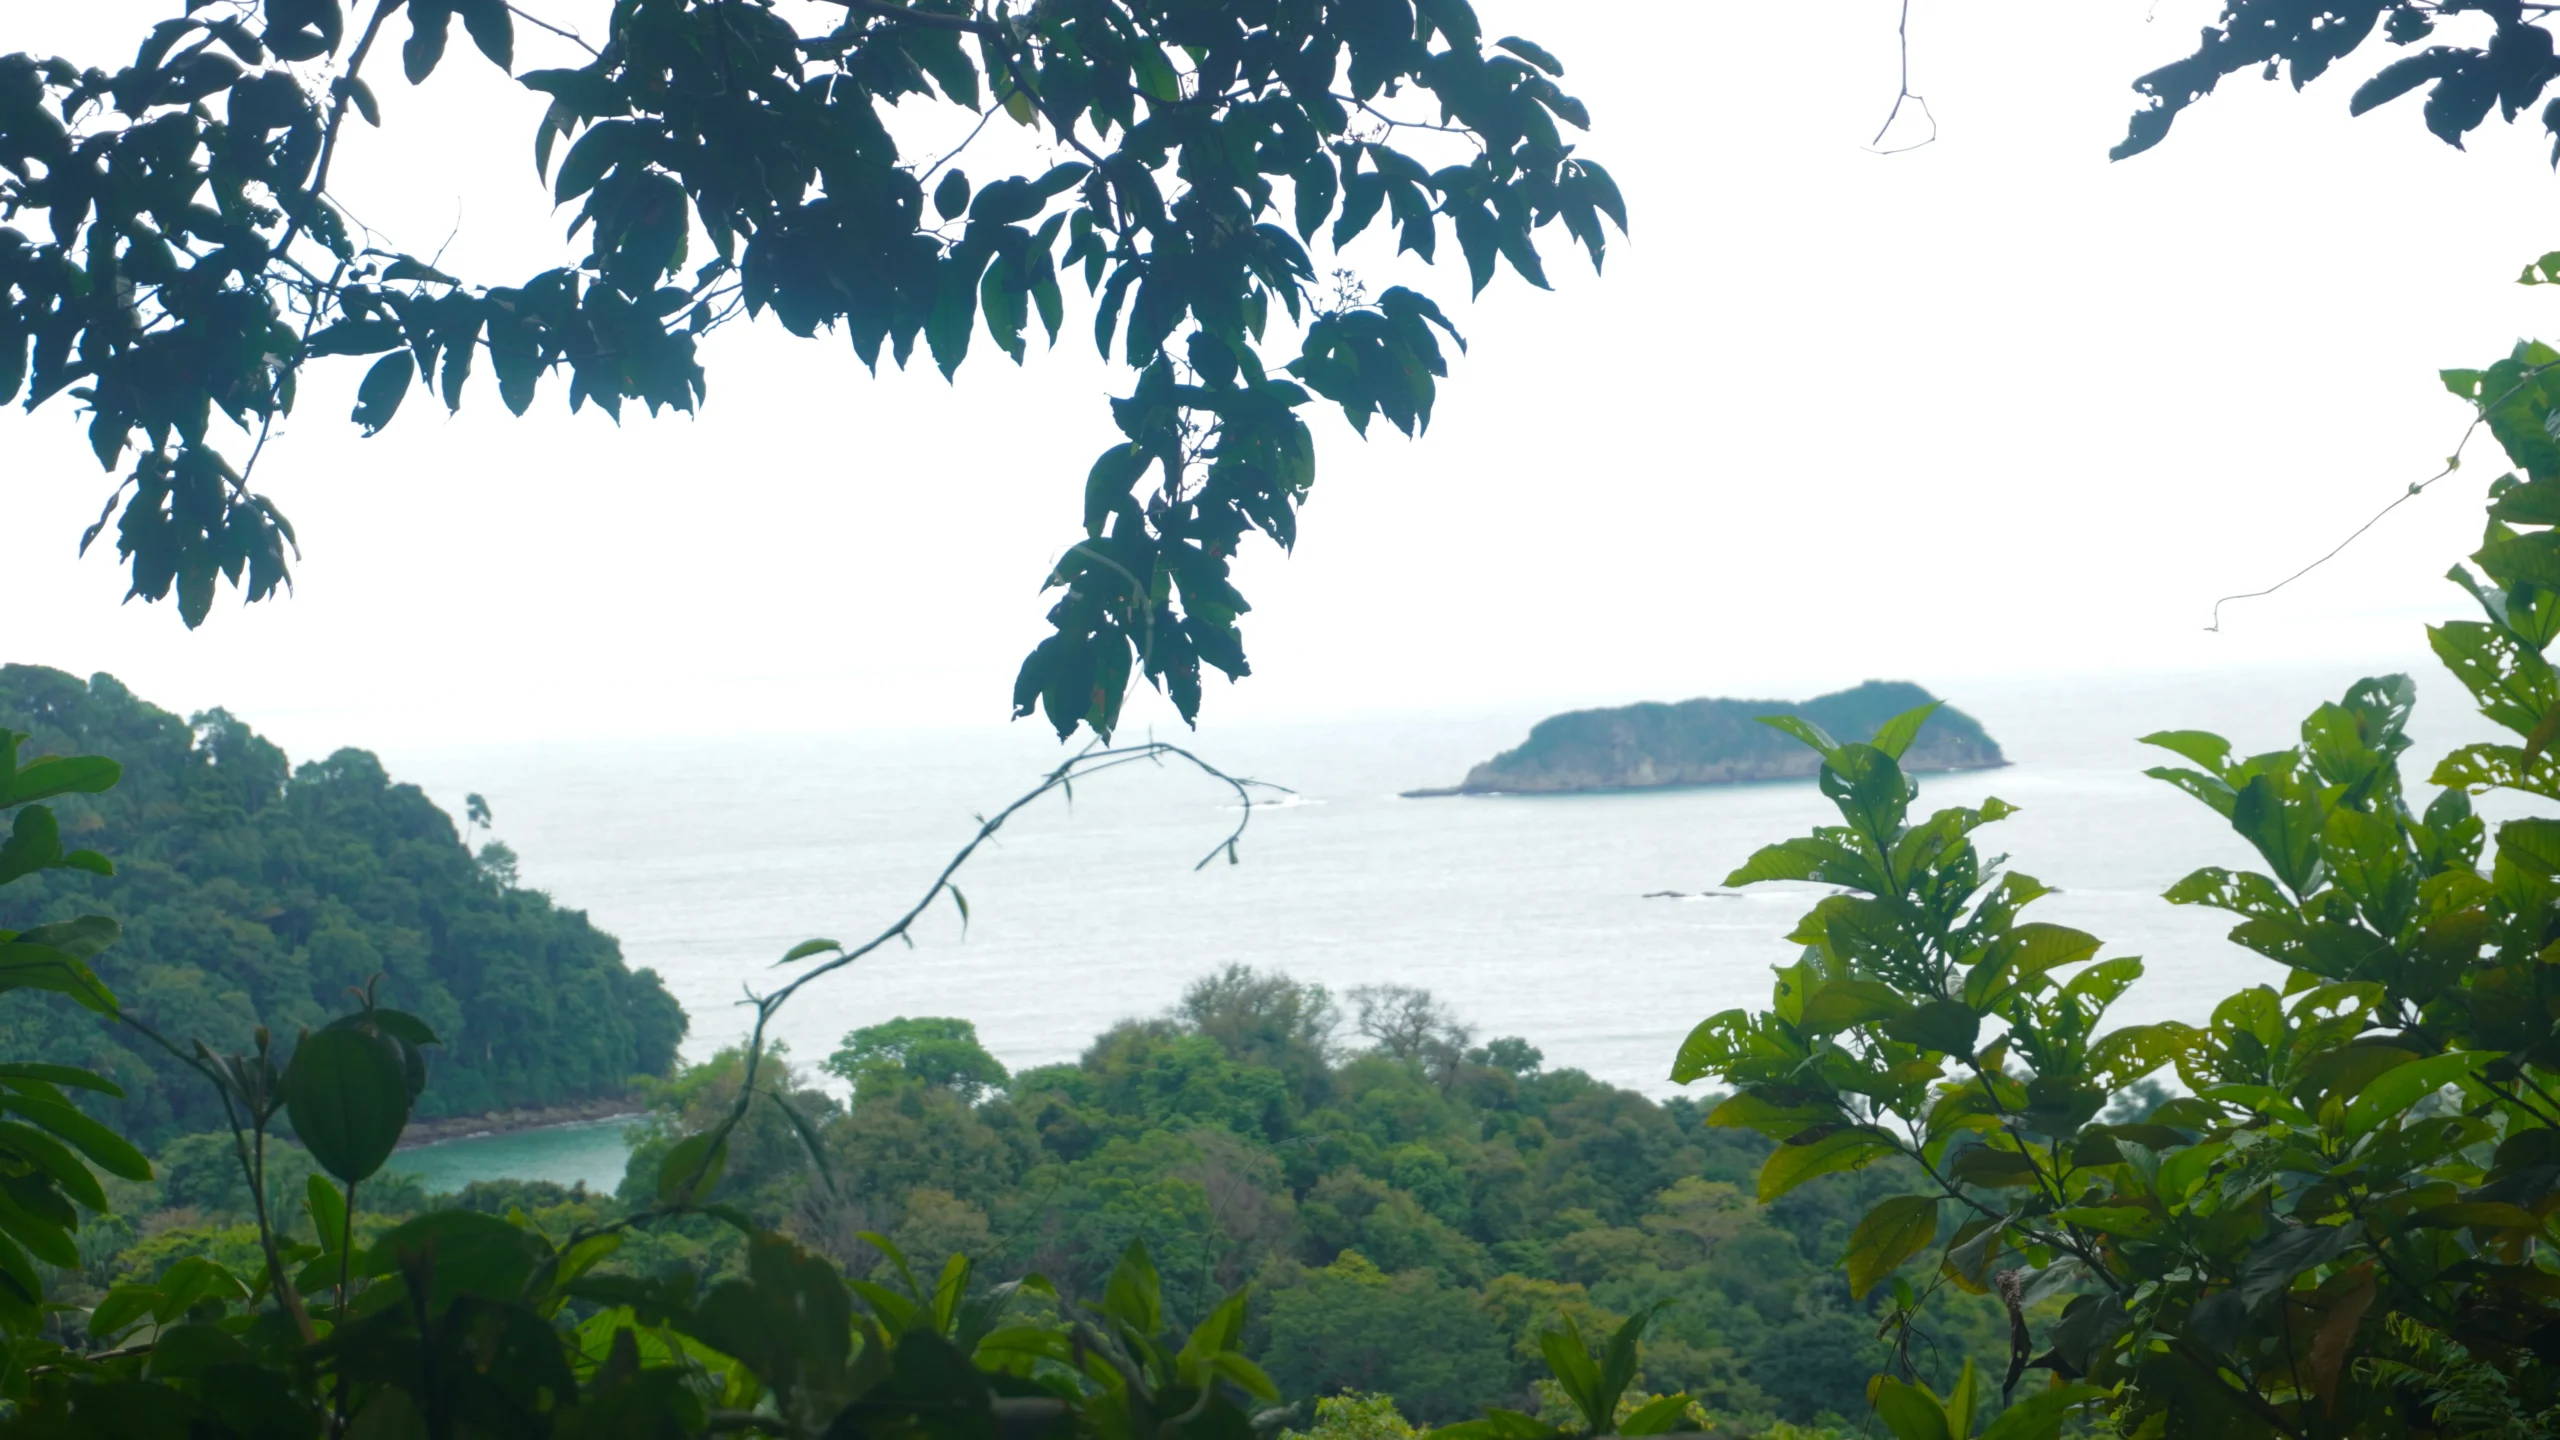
pixel 1285 802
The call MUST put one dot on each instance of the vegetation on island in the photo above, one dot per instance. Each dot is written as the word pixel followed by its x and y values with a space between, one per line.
pixel 1717 742
pixel 250 891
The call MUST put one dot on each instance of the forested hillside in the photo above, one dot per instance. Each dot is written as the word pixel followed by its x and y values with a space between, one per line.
pixel 254 892
pixel 1410 1207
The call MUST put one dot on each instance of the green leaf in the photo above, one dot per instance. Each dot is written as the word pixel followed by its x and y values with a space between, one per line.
pixel 1840 1004
pixel 384 387
pixel 61 775
pixel 1535 54
pixel 1656 1416
pixel 807 948
pixel 1910 1412
pixel 1718 1042
pixel 1154 74
pixel 41 967
pixel 492 29
pixel 2040 1416
pixel 1791 1165
pixel 429 22
pixel 1895 1230
pixel 1895 735
pixel 1802 729
pixel 328 1212
pixel 678 1181
pixel 472 1254
pixel 83 937
pixel 1947 1026
pixel 112 1152
pixel 348 1096
pixel 1133 1295
pixel 194 1278
pixel 951 197
pixel 1106 485
pixel 34 1147
pixel 2203 747
pixel 2399 1088
pixel 1569 1357
pixel 121 1308
pixel 70 1075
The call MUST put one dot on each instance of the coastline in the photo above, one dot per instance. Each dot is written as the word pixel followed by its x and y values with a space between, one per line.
pixel 1443 792
pixel 509 1122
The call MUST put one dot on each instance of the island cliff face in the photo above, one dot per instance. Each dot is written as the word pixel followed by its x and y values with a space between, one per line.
pixel 1717 742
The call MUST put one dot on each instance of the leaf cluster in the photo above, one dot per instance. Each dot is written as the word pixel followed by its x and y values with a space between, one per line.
pixel 724 163
pixel 2367 1149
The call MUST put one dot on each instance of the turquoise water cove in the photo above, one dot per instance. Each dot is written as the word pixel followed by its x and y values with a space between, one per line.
pixel 591 1153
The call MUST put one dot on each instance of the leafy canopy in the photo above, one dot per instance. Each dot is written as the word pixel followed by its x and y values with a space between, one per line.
pixel 722 163
pixel 2501 59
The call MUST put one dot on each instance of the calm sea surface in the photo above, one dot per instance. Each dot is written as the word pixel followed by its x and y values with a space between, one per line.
pixel 1530 914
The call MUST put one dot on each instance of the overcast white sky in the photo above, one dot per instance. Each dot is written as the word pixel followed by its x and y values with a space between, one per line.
pixel 1991 408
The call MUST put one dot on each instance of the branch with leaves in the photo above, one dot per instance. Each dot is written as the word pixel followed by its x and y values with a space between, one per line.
pixel 722 164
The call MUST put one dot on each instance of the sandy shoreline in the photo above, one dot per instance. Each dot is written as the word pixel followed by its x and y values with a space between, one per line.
pixel 508 1122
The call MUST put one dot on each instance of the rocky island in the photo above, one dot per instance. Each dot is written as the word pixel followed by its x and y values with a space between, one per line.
pixel 1716 742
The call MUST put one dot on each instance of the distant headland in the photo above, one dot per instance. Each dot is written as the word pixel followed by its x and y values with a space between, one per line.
pixel 1715 742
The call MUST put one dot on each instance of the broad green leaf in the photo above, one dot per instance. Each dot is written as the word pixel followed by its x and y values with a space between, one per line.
pixel 41 967
pixel 2398 1089
pixel 691 1170
pixel 1718 1042
pixel 33 1147
pixel 70 1075
pixel 54 775
pixel 1960 1401
pixel 1840 1004
pixel 2040 1416
pixel 111 1151
pixel 2130 1220
pixel 121 1308
pixel 1947 1026
pixel 1910 1412
pixel 194 1278
pixel 1569 1357
pixel 1804 859
pixel 1802 729
pixel 2203 747
pixel 1656 1416
pixel 1749 1111
pixel 2272 1266
pixel 1791 1165
pixel 347 1094
pixel 473 1254
pixel 1895 735
pixel 328 1212
pixel 1133 1295
pixel 1898 1228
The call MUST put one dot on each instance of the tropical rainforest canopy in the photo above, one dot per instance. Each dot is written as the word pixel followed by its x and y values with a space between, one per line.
pixel 255 892
pixel 1411 1207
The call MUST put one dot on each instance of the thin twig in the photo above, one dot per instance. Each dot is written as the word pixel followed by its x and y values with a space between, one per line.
pixel 537 22
pixel 1094 759
pixel 2452 463
pixel 1902 34
pixel 983 117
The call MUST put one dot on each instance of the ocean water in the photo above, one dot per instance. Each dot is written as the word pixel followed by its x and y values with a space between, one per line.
pixel 589 1152
pixel 1529 915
